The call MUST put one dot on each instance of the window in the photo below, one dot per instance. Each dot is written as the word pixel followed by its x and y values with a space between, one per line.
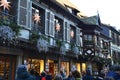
pixel 38 25
pixel 113 37
pixel 65 31
pixel 69 9
pixel 24 13
pixel 49 23
pixel 72 34
pixel 88 37
pixel 8 16
pixel 58 28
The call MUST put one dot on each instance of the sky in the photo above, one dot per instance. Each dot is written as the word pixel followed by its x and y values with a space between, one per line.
pixel 108 10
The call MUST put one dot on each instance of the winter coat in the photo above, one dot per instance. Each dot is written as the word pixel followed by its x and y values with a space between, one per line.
pixel 88 77
pixel 117 76
pixel 22 74
pixel 110 74
pixel 1 78
pixel 70 78
pixel 48 77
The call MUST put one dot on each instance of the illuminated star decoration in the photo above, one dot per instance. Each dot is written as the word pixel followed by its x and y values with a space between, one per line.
pixel 5 4
pixel 58 27
pixel 36 18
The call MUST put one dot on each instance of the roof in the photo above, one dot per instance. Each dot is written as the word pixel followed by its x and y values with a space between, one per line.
pixel 93 20
pixel 67 3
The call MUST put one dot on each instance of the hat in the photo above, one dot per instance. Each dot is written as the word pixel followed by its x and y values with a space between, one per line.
pixel 21 68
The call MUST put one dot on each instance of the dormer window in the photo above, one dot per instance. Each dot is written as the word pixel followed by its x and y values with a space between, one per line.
pixel 69 9
pixel 72 10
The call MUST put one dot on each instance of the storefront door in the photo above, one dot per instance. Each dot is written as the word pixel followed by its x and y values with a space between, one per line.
pixel 65 68
pixel 36 64
pixel 7 67
pixel 52 67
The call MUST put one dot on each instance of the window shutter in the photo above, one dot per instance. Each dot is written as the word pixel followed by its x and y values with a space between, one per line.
pixel 78 36
pixel 29 14
pixel 81 39
pixel 52 26
pixel 24 13
pixel 47 18
pixel 68 32
pixel 65 31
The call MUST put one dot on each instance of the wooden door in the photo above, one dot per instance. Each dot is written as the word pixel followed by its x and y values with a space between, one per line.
pixel 51 68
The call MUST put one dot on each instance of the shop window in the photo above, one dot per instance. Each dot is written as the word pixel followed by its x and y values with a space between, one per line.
pixel 78 67
pixel 36 64
pixel 83 67
pixel 65 68
pixel 52 67
pixel 7 67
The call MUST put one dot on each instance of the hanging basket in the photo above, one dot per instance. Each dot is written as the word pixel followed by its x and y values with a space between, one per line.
pixel 63 49
pixel 6 33
pixel 76 50
pixel 42 45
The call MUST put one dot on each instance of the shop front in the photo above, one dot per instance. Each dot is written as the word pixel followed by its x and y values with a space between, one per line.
pixel 10 58
pixel 41 62
pixel 51 67
pixel 7 67
pixel 36 64
pixel 65 67
pixel 84 67
pixel 76 66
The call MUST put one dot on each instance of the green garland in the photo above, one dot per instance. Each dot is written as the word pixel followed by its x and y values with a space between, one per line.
pixel 13 26
pixel 35 36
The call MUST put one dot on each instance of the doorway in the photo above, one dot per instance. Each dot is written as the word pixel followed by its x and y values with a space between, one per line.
pixel 7 67
pixel 52 67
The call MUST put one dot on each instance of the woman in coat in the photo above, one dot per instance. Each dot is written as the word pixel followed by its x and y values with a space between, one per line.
pixel 76 75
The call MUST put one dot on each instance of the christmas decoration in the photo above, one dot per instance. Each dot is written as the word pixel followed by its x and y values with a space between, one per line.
pixel 42 45
pixel 63 48
pixel 72 33
pixel 76 50
pixel 57 27
pixel 36 18
pixel 7 34
pixel 5 4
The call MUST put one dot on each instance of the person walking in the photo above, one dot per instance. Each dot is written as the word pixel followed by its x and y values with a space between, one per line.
pixel 49 76
pixel 70 77
pixel 77 75
pixel 58 77
pixel 88 76
pixel 43 75
pixel 22 73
